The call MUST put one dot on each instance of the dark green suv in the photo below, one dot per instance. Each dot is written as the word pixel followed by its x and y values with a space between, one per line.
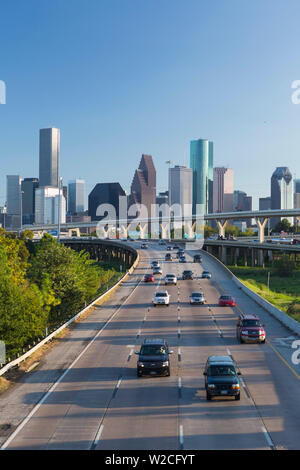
pixel 221 377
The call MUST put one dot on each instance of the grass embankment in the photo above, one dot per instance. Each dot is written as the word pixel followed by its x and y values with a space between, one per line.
pixel 284 292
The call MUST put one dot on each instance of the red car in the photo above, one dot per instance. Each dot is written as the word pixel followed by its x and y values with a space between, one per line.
pixel 226 301
pixel 148 278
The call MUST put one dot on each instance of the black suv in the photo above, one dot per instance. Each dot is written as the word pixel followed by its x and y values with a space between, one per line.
pixel 197 259
pixel 221 377
pixel 153 357
pixel 187 275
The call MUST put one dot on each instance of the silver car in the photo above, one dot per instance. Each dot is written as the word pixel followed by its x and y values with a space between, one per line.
pixel 197 298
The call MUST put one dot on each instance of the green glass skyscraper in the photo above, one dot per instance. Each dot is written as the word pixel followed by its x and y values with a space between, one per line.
pixel 201 162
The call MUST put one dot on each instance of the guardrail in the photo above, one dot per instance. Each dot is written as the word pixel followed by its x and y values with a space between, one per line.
pixel 281 316
pixel 101 298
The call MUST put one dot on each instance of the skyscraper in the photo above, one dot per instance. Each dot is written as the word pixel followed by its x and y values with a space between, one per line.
pixel 47 200
pixel 180 187
pixel 76 194
pixel 201 162
pixel 282 192
pixel 13 194
pixel 104 193
pixel 223 189
pixel 29 185
pixel 49 157
pixel 143 187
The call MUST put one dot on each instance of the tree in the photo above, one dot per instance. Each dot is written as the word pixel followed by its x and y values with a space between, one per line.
pixel 283 226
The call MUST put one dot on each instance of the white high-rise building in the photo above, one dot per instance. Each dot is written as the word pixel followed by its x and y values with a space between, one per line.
pixel 223 189
pixel 47 205
pixel 181 187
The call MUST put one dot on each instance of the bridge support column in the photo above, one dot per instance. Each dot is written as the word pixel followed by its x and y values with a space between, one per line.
pixel 224 255
pixel 261 228
pixel 143 230
pixel 261 258
pixel 222 225
pixel 165 231
pixel 245 257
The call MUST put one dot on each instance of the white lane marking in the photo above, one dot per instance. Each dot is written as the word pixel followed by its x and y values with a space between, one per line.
pixel 242 382
pixel 98 435
pixel 119 382
pixel 179 383
pixel 268 437
pixel 179 332
pixel 181 435
pixel 178 319
pixel 228 352
pixel 53 387
pixel 138 333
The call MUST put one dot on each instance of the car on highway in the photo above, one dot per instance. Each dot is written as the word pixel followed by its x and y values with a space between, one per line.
pixel 162 242
pixel 161 298
pixel 226 301
pixel 206 275
pixel 182 259
pixel 153 357
pixel 187 274
pixel 197 258
pixel 155 264
pixel 144 246
pixel 221 377
pixel 197 298
pixel 249 329
pixel 157 270
pixel 170 279
pixel 168 257
pixel 176 247
pixel 179 253
pixel 148 278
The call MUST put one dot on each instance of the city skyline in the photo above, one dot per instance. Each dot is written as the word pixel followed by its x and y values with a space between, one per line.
pixel 189 85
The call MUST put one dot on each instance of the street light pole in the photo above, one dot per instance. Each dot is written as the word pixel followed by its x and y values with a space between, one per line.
pixel 59 208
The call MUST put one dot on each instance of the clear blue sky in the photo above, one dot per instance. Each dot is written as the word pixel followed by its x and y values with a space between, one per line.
pixel 126 77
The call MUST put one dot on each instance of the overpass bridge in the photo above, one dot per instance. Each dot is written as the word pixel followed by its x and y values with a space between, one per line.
pixel 261 218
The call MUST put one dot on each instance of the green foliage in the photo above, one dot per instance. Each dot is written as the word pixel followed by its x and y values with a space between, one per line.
pixel 284 267
pixel 43 286
pixel 283 226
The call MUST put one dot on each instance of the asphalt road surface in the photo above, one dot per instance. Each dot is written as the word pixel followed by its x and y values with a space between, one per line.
pixel 89 397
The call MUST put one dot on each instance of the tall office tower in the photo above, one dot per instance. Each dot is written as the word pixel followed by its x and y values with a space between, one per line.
pixel 49 157
pixel 282 192
pixel 47 205
pixel 201 162
pixel 242 202
pixel 76 195
pixel 180 187
pixel 223 189
pixel 104 193
pixel 143 187
pixel 264 203
pixel 28 186
pixel 13 200
pixel 65 194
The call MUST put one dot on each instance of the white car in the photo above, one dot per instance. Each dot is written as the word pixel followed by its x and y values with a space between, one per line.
pixel 157 270
pixel 161 298
pixel 197 298
pixel 170 279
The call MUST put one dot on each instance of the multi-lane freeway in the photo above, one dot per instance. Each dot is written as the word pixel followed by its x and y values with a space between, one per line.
pixel 86 393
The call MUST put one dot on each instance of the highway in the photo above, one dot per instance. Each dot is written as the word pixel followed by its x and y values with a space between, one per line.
pixel 86 395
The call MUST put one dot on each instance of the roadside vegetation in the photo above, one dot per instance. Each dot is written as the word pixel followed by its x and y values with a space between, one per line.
pixel 282 289
pixel 42 286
